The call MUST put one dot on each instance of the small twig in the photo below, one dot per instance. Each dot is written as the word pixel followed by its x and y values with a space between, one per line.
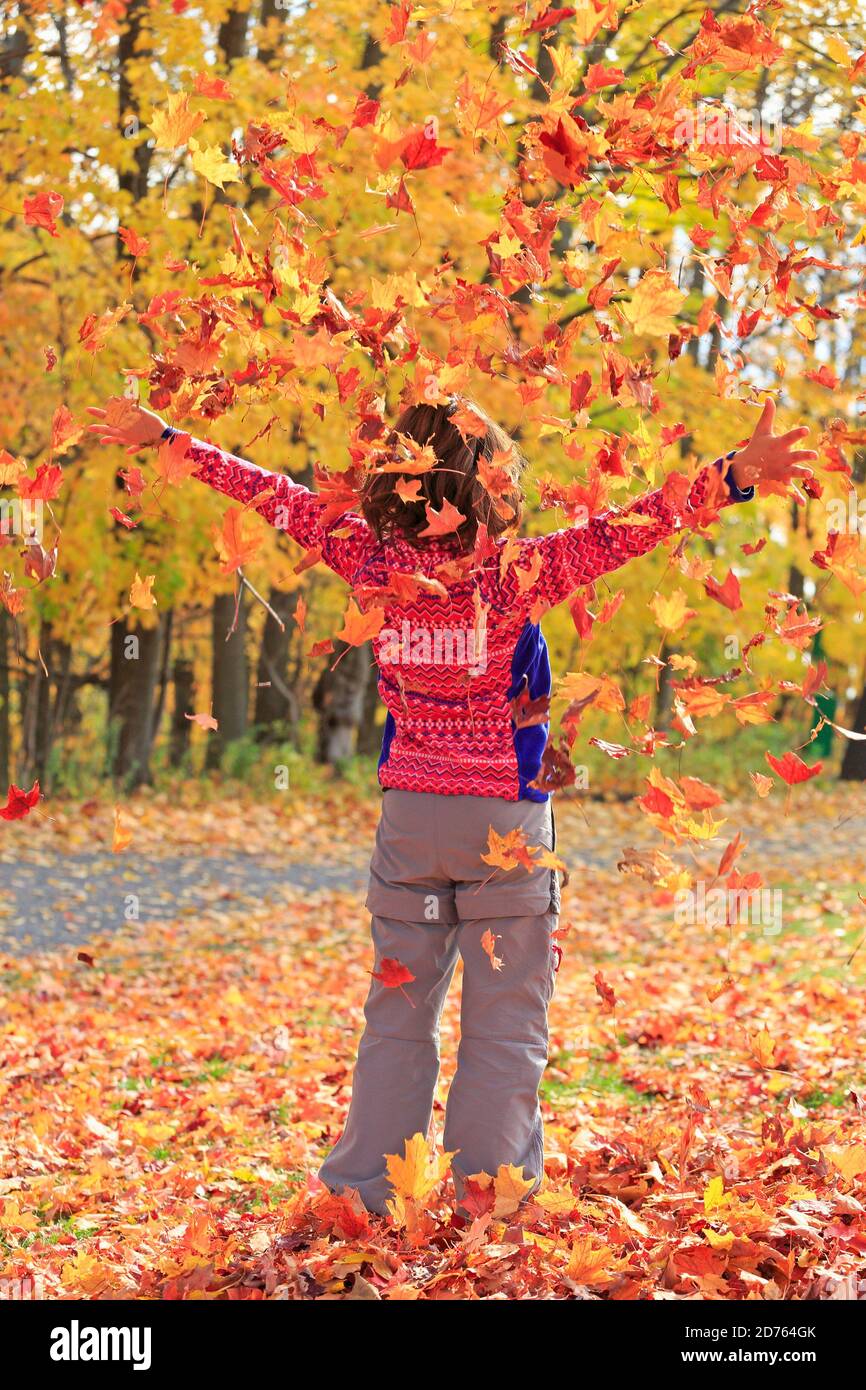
pixel 255 593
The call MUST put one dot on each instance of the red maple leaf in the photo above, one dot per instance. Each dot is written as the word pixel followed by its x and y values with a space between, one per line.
pixel 728 593
pixel 792 769
pixel 394 975
pixel 43 209
pixel 19 803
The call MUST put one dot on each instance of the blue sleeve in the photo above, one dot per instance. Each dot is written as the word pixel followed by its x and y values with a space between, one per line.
pixel 738 494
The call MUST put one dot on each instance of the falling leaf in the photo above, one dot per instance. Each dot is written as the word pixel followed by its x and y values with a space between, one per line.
pixel 140 595
pixel 20 803
pixel 792 769
pixel 122 837
pixel 204 721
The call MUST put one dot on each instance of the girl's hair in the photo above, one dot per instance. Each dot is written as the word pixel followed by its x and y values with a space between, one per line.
pixel 454 479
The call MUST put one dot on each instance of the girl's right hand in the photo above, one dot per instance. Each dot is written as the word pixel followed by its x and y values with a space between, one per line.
pixel 127 423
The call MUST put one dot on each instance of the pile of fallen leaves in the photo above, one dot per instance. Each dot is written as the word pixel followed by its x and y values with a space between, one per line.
pixel 168 1097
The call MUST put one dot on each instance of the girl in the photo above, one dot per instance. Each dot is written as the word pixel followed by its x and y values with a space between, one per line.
pixel 461 657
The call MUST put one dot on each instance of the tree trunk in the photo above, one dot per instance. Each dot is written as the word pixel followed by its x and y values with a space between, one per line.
pixel 135 663
pixel 276 708
pixel 229 676
pixel 269 11
pixel 232 36
pixel 853 767
pixel 36 719
pixel 339 700
pixel 183 679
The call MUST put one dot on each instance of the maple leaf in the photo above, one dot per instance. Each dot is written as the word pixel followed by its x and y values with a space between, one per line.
pixel 122 837
pixel 11 468
pixel 214 87
pixel 419 1171
pixel 592 1264
pixel 44 487
pixel 763 785
pixel 848 1159
pixel 604 992
pixel 212 164
pixel 133 481
pixel 671 610
pixel 762 1048
pixel 393 973
pixel 136 245
pixel 792 769
pixel 174 125
pixel 728 593
pixel 488 946
pixel 97 328
pixel 444 522
pixel 510 1188
pixel 173 464
pixel 204 721
pixel 508 851
pixel 64 430
pixel 654 302
pixel 140 593
pixel 43 210
pixel 420 149
pixel 359 627
pixel 20 803
pixel 234 545
pixel 754 708
pixel 581 688
pixel 699 796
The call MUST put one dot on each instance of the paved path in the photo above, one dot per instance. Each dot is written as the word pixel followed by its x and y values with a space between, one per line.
pixel 81 895
pixel 66 898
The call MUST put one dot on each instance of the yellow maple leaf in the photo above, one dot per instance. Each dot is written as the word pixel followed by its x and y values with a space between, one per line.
pixel 654 302
pixel 762 1048
pixel 849 1159
pixel 85 1272
pixel 140 593
pixel 212 164
pixel 719 1240
pixel 557 1201
pixel 592 1264
pixel 174 124
pixel 510 1188
pixel 12 1218
pixel 671 610
pixel 414 1176
pixel 602 690
pixel 714 1195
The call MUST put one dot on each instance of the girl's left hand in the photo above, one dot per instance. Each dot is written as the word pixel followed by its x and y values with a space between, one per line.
pixel 771 457
pixel 125 422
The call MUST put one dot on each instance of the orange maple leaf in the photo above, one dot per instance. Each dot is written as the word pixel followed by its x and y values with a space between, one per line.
pixel 234 545
pixel 359 627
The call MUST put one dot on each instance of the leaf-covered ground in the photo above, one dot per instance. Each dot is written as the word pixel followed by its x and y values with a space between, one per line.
pixel 166 1105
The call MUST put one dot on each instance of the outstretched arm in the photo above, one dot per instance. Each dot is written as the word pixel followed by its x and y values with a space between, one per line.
pixel 287 505
pixel 579 554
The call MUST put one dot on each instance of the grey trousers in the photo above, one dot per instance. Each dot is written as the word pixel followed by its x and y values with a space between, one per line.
pixel 431 897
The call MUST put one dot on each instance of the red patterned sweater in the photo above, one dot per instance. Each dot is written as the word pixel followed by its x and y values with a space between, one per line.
pixel 455 652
